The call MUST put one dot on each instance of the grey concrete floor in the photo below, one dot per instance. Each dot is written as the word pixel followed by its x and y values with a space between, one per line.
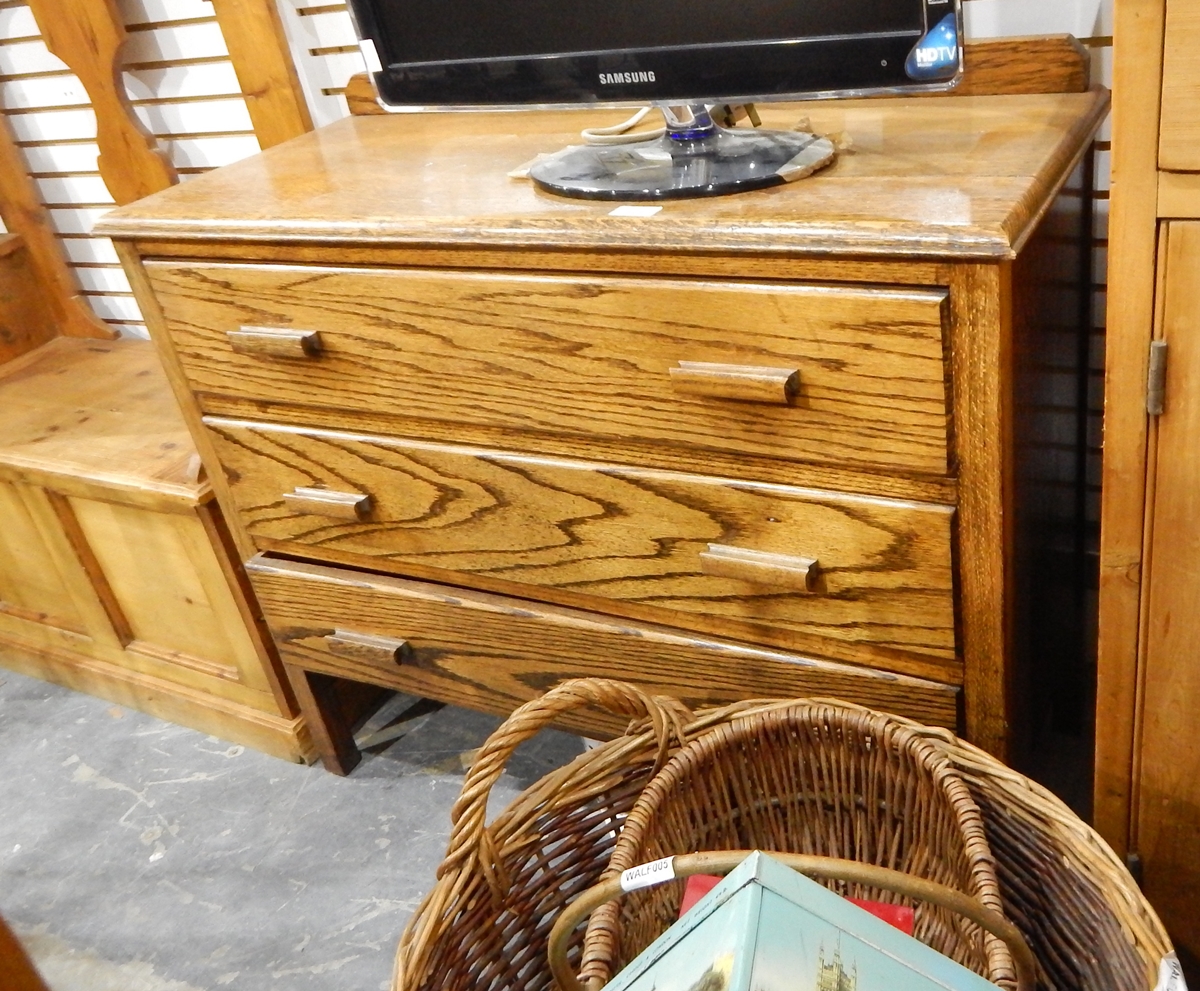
pixel 136 855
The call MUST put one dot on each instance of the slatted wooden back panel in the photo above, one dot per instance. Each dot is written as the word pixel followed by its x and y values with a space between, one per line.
pixel 183 87
pixel 325 48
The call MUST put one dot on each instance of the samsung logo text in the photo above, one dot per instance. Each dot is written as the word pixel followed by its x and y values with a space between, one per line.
pixel 612 78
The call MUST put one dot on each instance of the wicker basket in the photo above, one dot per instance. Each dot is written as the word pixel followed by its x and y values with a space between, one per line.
pixel 1083 915
pixel 485 923
pixel 810 778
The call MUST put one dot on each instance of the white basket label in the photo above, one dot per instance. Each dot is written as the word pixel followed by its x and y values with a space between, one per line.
pixel 1170 975
pixel 645 875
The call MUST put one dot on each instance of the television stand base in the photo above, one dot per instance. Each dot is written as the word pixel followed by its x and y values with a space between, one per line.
pixel 723 161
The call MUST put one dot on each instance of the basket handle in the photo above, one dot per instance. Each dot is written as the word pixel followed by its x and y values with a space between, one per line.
pixel 831 868
pixel 469 835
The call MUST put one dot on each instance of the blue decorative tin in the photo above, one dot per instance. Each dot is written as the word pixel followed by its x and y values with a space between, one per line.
pixel 767 928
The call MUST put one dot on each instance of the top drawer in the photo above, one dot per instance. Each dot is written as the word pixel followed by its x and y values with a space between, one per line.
pixel 619 358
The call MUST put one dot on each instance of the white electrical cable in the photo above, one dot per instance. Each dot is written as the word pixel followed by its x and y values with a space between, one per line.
pixel 616 134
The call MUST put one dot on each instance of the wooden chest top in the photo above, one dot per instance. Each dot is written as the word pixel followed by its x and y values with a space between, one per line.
pixel 961 177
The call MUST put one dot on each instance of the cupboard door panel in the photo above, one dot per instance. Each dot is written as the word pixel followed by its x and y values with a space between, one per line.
pixel 1169 802
pixel 1179 138
pixel 171 591
pixel 40 578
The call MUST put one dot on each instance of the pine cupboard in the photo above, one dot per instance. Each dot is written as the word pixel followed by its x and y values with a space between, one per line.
pixel 116 576
pixel 1147 796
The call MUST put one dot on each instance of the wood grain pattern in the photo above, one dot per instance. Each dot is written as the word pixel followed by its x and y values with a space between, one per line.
pixel 285 737
pixel 1179 133
pixel 983 439
pixel 167 615
pixel 113 575
pixel 496 313
pixel 332 732
pixel 782 265
pixel 26 321
pixel 33 584
pixel 1000 156
pixel 607 532
pixel 493 653
pixel 88 36
pixel 704 461
pixel 186 403
pixel 991 66
pixel 361 98
pixel 24 215
pixel 50 525
pixel 1178 194
pixel 1168 769
pixel 238 582
pixel 165 576
pixel 583 357
pixel 1042 64
pixel 188 673
pixel 99 412
pixel 108 624
pixel 1138 28
pixel 265 69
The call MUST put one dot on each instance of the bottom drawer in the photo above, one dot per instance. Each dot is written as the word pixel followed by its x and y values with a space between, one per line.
pixel 493 653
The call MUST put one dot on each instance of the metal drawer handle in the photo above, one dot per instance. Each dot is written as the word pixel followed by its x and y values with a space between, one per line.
pixel 760 567
pixel 368 647
pixel 326 502
pixel 275 342
pixel 752 383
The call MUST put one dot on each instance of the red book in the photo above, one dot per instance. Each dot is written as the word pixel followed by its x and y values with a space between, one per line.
pixel 699 885
pixel 896 915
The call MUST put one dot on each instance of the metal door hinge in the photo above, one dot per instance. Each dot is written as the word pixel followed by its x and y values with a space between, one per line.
pixel 1133 861
pixel 1156 378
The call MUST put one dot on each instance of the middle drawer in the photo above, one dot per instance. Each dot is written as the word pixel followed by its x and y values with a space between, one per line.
pixel 837 374
pixel 792 566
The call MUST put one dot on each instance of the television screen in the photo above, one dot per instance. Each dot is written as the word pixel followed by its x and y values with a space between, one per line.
pixel 564 52
pixel 483 29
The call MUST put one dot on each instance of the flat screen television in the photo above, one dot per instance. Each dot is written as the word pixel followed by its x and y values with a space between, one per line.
pixel 684 56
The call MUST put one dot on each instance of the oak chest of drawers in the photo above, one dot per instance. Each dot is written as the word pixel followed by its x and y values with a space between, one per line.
pixel 477 439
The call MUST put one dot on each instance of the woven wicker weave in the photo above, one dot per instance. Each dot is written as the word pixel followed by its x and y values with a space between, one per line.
pixel 810 778
pixel 484 925
pixel 1079 909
